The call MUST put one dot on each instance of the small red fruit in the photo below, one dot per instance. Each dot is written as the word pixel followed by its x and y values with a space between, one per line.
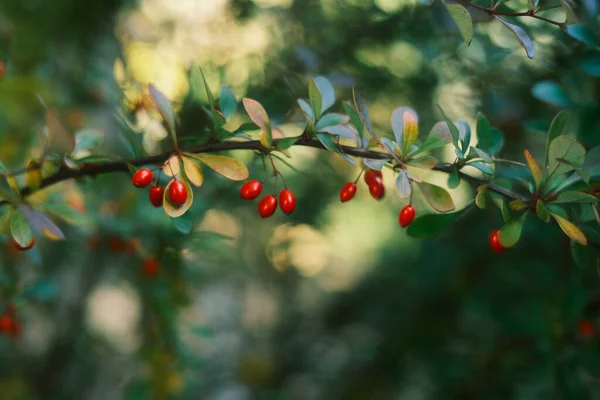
pixel 377 190
pixel 347 192
pixel 21 248
pixel 142 178
pixel 177 193
pixel 6 323
pixel 2 69
pixel 251 190
pixel 586 329
pixel 287 201
pixel 267 206
pixel 406 216
pixel 15 329
pixel 156 196
pixel 495 242
pixel 150 267
pixel 373 176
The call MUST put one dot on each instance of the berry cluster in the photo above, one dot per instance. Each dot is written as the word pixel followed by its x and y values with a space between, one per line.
pixel 374 180
pixel 268 204
pixel 177 191
pixel 9 324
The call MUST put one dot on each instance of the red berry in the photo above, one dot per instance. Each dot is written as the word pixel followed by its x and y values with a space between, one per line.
pixel 267 206
pixel 150 267
pixel 142 178
pixel 406 216
pixel 2 69
pixel 347 192
pixel 377 190
pixel 495 242
pixel 586 329
pixel 156 196
pixel 251 190
pixel 21 248
pixel 6 323
pixel 287 201
pixel 372 176
pixel 177 193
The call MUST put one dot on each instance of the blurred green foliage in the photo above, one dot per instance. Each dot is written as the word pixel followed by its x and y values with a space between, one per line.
pixel 334 301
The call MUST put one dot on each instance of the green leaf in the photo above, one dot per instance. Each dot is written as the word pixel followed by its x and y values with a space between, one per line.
pixel 568 149
pixel 574 197
pixel 590 64
pixel 259 116
pixel 551 93
pixel 488 138
pixel 482 154
pixel 316 101
pixel 353 114
pixel 399 125
pixel 307 110
pixel 183 224
pixel 536 172
pixel 209 95
pixel 284 144
pixel 164 107
pixel 583 34
pixel 453 178
pixel 327 92
pixel 542 213
pixel 430 225
pixel 522 37
pixel 438 198
pixel 329 144
pixel 403 184
pixel 227 102
pixel 423 162
pixel 570 229
pixel 376 164
pixel 453 129
pixel 87 139
pixel 229 167
pixel 363 112
pixel 20 229
pixel 517 205
pixel 461 16
pixel 562 124
pixel 331 119
pixel 486 169
pixel 481 198
pixel 511 232
pixel 68 214
pixel 40 223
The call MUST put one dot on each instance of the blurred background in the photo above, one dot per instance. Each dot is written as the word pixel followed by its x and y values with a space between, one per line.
pixel 334 301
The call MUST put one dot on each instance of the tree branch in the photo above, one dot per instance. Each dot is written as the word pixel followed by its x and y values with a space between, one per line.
pixel 94 169
pixel 494 12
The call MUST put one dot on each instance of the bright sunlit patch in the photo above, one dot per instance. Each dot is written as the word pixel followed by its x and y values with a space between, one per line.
pixel 393 6
pixel 273 3
pixel 220 222
pixel 114 312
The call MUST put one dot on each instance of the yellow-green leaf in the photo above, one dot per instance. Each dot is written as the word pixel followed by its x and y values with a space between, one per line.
pixel 266 138
pixel 172 166
pixel 20 229
pixel 463 20
pixel 411 130
pixel 193 171
pixel 517 205
pixel 173 210
pixel 229 167
pixel 438 198
pixel 33 176
pixel 570 229
pixel 536 172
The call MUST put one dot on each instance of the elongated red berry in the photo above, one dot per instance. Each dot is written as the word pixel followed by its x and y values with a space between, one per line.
pixel 267 206
pixel 495 242
pixel 406 216
pixel 6 322
pixel 2 69
pixel 372 176
pixel 377 190
pixel 156 196
pixel 347 192
pixel 21 248
pixel 177 193
pixel 287 201
pixel 586 329
pixel 142 178
pixel 150 267
pixel 251 190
